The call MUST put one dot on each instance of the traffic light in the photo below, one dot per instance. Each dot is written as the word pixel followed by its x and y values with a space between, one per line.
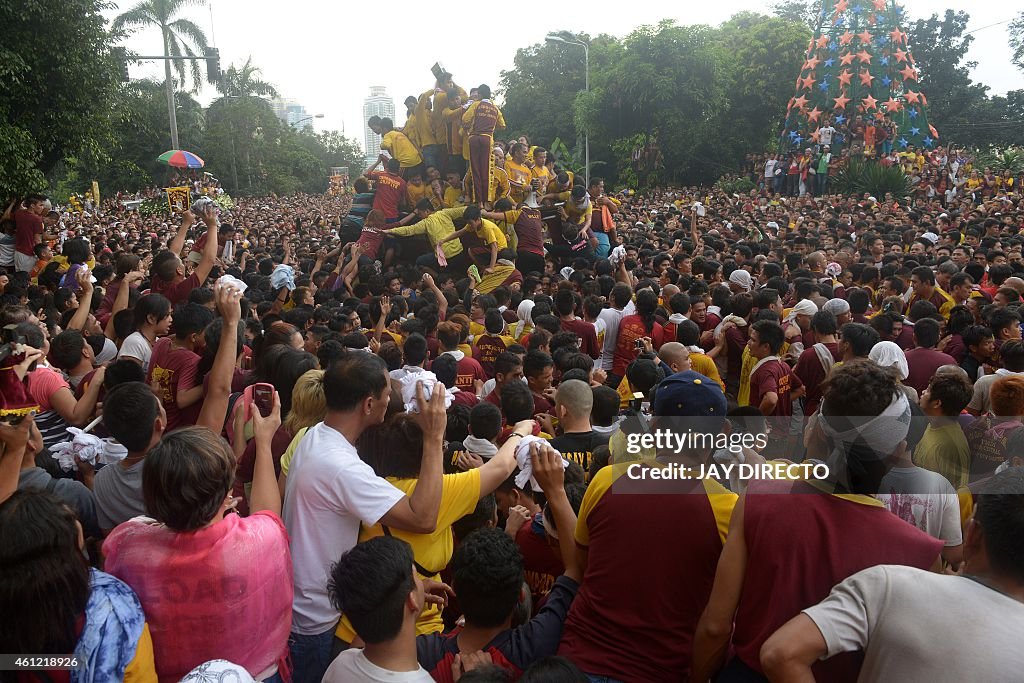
pixel 121 55
pixel 213 65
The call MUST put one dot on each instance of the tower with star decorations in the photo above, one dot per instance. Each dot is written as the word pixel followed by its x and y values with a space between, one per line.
pixel 858 64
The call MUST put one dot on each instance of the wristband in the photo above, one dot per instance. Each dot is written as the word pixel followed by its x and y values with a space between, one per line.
pixel 521 436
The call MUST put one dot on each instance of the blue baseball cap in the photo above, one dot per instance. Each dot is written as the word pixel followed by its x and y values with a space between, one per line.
pixel 689 394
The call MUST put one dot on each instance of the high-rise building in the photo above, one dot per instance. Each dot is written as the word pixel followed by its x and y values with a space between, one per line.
pixel 291 112
pixel 379 103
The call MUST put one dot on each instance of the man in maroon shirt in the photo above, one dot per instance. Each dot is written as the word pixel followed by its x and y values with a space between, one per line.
pixel 923 360
pixel 539 370
pixel 799 546
pixel 508 367
pixel 169 271
pixel 28 231
pixel 813 365
pixel 773 386
pixel 565 305
pixel 389 189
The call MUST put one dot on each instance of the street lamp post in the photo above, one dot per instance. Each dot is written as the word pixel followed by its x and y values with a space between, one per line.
pixel 308 118
pixel 555 38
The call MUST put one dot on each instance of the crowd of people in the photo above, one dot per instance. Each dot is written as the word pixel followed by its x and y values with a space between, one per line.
pixel 391 435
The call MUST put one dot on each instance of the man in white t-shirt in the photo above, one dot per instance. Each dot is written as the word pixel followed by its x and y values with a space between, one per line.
pixel 330 491
pixel 620 297
pixel 915 625
pixel 825 134
pixel 377 587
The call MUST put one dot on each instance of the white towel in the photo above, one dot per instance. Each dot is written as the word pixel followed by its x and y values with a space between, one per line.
pixel 408 384
pixel 526 465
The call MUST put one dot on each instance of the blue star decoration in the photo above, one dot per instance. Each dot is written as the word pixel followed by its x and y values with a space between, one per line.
pixel 884 61
pixel 829 62
pixel 797 140
pixel 903 142
pixel 899 10
pixel 793 135
pixel 857 10
pixel 840 21
pixel 833 47
pixel 886 81
pixel 880 18
pixel 823 86
pixel 841 119
pixel 913 113
pixel 928 142
pixel 914 132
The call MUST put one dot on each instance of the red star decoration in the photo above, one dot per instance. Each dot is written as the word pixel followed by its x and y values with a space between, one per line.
pixel 807 83
pixel 800 102
pixel 924 100
pixel 897 35
pixel 846 38
pixel 813 115
pixel 932 130
pixel 864 57
pixel 842 6
pixel 822 42
pixel 893 105
pixel 909 73
pixel 869 103
pixel 866 78
pixel 845 76
pixel 864 36
pixel 811 63
pixel 879 5
pixel 913 97
pixel 901 56
pixel 841 101
pixel 816 134
pixel 846 59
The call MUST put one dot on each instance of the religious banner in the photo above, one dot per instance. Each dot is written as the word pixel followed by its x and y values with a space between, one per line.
pixel 96 194
pixel 178 198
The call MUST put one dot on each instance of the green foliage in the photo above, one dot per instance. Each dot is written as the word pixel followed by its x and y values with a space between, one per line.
pixel 1016 35
pixel 797 11
pixel 574 159
pixel 706 95
pixel 1011 158
pixel 59 79
pixel 873 178
pixel 181 37
pixel 735 185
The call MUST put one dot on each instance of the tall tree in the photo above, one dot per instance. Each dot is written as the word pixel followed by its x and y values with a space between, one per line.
pixel 799 11
pixel 1016 34
pixel 245 81
pixel 182 40
pixel 59 80
pixel 940 47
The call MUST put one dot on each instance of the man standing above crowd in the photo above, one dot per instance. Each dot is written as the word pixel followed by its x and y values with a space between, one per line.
pixel 28 222
pixel 482 118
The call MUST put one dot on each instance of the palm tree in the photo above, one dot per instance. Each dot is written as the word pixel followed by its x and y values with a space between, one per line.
pixel 245 81
pixel 182 40
pixel 240 83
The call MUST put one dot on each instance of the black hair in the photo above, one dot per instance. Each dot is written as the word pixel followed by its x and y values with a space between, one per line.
pixel 493 322
pixel 121 372
pixel 190 319
pixel 156 305
pixel 485 511
pixel 485 420
pixel 536 362
pixel 415 349
pixel 1001 318
pixel 975 334
pixel 926 333
pixel 66 349
pixel 823 323
pixel 771 333
pixel 45 580
pixel 487 575
pixel 370 584
pixel 1000 513
pixel 352 379
pixel 505 363
pixel 860 338
pixel 553 669
pixel 129 411
pixel 446 368
pixel 516 401
pixel 953 390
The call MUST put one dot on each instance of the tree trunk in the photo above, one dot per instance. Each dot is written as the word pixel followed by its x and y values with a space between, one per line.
pixel 171 115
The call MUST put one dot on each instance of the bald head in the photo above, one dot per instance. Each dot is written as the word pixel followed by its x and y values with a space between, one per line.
pixel 816 262
pixel 669 291
pixel 575 397
pixel 1016 283
pixel 675 355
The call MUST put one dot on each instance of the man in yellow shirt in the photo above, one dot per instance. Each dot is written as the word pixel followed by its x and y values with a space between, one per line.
pixel 428 141
pixel 519 174
pixel 482 118
pixel 453 190
pixel 437 227
pixel 540 172
pixel 944 448
pixel 398 145
pixel 489 234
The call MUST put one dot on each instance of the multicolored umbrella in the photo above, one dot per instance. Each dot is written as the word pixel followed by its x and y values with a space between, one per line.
pixel 179 158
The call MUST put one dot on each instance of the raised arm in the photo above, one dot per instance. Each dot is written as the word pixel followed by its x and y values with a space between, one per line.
pixel 442 302
pixel 177 243
pixel 549 471
pixel 202 271
pixel 215 406
pixel 81 316
pixel 130 280
pixel 418 513
pixel 265 494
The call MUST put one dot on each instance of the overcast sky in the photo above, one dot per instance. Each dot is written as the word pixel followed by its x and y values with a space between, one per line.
pixel 326 55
